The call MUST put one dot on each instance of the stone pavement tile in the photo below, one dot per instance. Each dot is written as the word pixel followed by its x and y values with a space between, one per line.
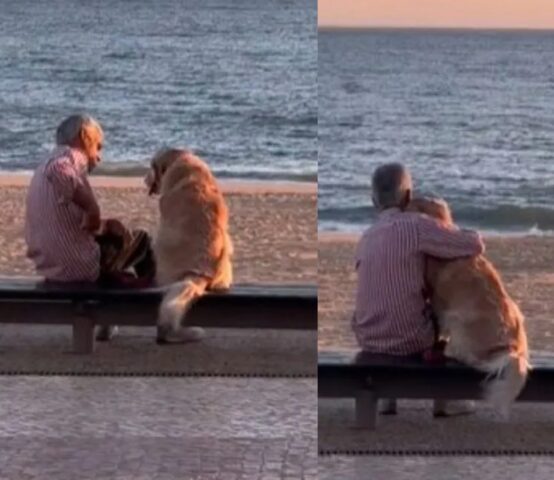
pixel 530 428
pixel 426 468
pixel 36 348
pixel 91 459
pixel 157 407
pixel 57 428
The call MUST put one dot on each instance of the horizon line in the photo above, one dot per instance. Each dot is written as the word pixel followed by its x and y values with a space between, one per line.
pixel 434 27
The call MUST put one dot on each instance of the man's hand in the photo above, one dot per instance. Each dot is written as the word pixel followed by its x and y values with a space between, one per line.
pixel 91 221
pixel 115 227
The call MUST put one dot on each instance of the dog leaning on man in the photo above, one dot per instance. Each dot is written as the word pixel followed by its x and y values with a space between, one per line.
pixel 394 255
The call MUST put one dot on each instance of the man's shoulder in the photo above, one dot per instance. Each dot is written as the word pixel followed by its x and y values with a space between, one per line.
pixel 401 223
pixel 414 219
pixel 398 218
pixel 60 160
pixel 60 154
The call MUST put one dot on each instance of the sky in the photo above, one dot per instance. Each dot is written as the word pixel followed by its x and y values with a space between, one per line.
pixel 537 14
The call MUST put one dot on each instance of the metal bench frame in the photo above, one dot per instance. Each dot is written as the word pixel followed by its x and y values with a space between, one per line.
pixel 369 377
pixel 31 301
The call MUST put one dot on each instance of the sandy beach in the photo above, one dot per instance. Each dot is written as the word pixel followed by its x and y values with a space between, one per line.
pixel 273 225
pixel 526 265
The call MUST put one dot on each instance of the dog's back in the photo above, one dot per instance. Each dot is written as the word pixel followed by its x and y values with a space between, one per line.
pixel 488 318
pixel 192 245
pixel 485 326
pixel 193 229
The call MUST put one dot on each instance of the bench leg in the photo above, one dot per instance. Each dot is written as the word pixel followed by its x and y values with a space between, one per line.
pixel 366 410
pixel 83 335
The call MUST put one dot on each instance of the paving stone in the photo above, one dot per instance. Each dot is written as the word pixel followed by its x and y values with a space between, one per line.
pixel 57 428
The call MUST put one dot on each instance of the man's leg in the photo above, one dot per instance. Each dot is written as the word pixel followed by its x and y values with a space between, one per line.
pixel 137 252
pixel 452 408
pixel 110 246
pixel 120 250
pixel 124 251
pixel 141 257
pixel 388 406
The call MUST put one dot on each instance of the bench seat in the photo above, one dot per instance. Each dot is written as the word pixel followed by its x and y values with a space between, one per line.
pixel 368 377
pixel 30 300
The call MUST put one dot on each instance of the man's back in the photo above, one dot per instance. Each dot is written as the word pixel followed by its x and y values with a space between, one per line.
pixel 390 262
pixel 56 243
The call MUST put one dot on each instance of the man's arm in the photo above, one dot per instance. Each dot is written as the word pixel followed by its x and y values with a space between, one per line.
pixel 84 198
pixel 71 188
pixel 444 242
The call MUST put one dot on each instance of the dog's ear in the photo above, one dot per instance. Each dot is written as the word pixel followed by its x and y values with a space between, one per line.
pixel 158 167
pixel 153 178
pixel 432 206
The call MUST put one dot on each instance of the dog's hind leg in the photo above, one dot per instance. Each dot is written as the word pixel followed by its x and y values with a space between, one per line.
pixel 175 305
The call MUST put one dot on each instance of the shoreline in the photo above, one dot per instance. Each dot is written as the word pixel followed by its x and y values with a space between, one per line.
pixel 228 186
pixel 350 237
pixel 333 236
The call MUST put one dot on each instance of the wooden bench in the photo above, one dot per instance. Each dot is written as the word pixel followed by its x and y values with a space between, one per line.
pixel 30 300
pixel 368 377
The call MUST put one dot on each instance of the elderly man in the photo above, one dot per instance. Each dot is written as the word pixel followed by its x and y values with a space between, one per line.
pixel 390 304
pixel 66 237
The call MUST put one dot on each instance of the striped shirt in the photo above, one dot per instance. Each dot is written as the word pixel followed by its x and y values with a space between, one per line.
pixel 390 262
pixel 57 244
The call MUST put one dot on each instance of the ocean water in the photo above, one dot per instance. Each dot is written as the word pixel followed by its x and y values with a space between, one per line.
pixel 234 80
pixel 471 113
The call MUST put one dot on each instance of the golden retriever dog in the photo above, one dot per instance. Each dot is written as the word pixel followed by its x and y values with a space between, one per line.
pixel 484 326
pixel 192 245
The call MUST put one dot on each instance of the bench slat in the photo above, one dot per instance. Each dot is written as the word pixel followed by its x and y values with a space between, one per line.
pixel 342 374
pixel 27 300
pixel 354 360
pixel 32 288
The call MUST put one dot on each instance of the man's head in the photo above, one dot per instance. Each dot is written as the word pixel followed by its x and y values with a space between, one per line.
pixel 392 186
pixel 84 133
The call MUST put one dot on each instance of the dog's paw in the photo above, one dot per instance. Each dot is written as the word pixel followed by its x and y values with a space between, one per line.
pixel 432 356
pixel 182 335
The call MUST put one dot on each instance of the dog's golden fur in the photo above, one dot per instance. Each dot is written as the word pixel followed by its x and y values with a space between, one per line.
pixel 484 326
pixel 192 243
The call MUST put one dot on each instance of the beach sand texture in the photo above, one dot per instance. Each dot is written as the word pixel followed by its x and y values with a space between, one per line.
pixel 273 226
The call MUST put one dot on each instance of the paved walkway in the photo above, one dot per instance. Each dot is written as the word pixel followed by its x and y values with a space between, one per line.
pixel 57 428
pixel 429 468
pixel 47 348
pixel 530 429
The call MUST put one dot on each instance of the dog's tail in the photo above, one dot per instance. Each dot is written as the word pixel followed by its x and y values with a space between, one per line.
pixel 507 376
pixel 510 367
pixel 178 300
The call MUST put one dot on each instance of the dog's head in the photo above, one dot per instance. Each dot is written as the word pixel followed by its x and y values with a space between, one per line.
pixel 180 163
pixel 159 164
pixel 434 207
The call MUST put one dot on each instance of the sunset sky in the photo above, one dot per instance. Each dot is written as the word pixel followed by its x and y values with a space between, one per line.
pixel 438 13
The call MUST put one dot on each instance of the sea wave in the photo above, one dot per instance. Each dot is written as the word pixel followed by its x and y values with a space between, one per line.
pixel 135 169
pixel 501 219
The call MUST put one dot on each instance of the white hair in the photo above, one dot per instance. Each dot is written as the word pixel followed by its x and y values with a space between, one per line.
pixel 71 127
pixel 390 184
